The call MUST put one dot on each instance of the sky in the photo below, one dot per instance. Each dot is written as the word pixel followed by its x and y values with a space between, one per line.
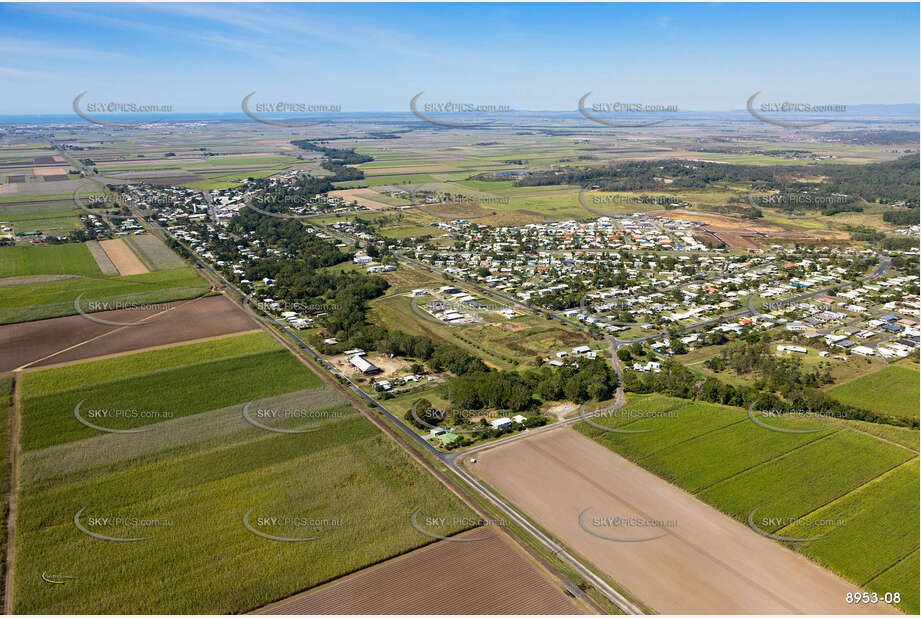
pixel 376 57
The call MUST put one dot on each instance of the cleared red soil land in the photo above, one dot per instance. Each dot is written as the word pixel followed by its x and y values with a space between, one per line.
pixel 703 563
pixel 58 340
pixel 488 576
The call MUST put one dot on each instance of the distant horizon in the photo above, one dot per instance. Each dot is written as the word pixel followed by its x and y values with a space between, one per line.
pixel 533 57
pixel 345 113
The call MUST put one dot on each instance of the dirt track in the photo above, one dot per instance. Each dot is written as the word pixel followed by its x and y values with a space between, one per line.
pixel 27 342
pixel 705 563
pixel 491 576
pixel 124 258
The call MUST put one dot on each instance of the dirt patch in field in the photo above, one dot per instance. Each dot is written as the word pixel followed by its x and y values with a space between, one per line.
pixel 50 171
pixel 738 241
pixel 489 576
pixel 390 367
pixel 717 222
pixel 754 232
pixel 706 563
pixel 125 259
pixel 71 338
pixel 364 197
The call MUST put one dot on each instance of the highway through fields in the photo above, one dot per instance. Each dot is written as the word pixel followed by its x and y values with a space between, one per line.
pixel 316 361
pixel 449 460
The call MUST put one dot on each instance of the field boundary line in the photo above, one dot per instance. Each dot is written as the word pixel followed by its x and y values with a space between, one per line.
pixel 367 408
pixel 364 410
pixel 691 439
pixel 891 566
pixel 13 426
pixel 857 488
pixel 27 369
pixel 671 533
pixel 150 373
pixel 101 335
pixel 766 461
pixel 887 440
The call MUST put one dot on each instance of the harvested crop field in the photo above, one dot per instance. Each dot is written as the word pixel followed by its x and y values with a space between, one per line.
pixel 364 197
pixel 489 576
pixel 71 338
pixel 695 560
pixel 124 258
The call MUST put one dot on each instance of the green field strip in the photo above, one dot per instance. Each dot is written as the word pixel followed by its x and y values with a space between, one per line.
pixel 87 373
pixel 161 395
pixel 68 259
pixel 865 527
pixel 690 439
pixel 662 431
pixel 902 436
pixel 797 442
pixel 27 302
pixel 901 577
pixel 805 479
pixel 891 390
pixel 360 482
pixel 57 464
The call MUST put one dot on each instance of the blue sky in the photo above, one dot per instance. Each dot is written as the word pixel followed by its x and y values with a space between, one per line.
pixel 369 57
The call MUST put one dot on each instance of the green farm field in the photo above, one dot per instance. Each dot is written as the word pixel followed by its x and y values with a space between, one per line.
pixel 224 371
pixel 198 491
pixel 51 218
pixel 892 390
pixel 864 485
pixel 26 302
pixel 68 259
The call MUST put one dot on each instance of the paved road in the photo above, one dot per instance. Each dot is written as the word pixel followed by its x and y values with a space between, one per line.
pixel 448 459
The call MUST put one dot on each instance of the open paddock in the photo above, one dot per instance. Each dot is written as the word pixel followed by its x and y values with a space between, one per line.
pixel 73 338
pixel 705 563
pixel 488 576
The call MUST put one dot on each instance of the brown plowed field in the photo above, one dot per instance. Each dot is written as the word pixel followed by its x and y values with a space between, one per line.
pixel 38 342
pixel 124 258
pixel 364 197
pixel 703 563
pixel 491 576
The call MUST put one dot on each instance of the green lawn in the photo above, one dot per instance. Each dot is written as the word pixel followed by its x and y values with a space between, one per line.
pixel 892 390
pixel 69 259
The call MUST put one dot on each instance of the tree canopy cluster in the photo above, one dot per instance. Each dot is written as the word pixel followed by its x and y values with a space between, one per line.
pixel 676 380
pixel 592 379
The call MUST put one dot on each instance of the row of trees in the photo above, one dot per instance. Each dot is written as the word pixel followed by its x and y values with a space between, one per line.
pixel 887 182
pixel 677 380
